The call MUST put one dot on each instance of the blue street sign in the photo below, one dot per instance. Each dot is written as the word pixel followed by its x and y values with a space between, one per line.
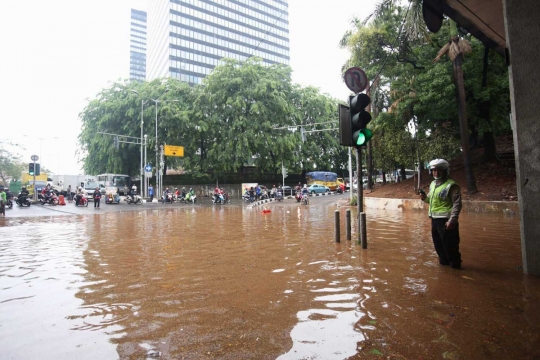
pixel 148 168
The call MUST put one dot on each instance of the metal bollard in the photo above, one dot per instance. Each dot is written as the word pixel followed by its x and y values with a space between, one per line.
pixel 348 223
pixel 336 226
pixel 363 230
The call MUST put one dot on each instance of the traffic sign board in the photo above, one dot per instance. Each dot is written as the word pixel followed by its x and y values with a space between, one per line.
pixel 171 150
pixel 355 79
pixel 34 157
pixel 148 168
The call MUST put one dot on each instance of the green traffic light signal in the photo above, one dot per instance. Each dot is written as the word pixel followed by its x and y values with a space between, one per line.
pixel 359 119
pixel 31 168
pixel 361 137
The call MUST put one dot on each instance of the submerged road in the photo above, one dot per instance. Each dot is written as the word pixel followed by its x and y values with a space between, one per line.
pixel 231 282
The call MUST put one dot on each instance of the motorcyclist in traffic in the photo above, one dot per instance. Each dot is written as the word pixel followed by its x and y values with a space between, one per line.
pixel 79 195
pixel 23 193
pixel 217 194
pixel 184 192
pixel 166 193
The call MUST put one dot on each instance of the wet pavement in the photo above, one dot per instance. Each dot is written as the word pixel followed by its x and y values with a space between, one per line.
pixel 232 282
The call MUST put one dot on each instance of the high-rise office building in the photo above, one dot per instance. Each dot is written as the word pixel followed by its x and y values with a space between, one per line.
pixel 137 46
pixel 187 38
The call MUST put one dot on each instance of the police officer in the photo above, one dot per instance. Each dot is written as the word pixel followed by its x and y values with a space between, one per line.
pixel 444 201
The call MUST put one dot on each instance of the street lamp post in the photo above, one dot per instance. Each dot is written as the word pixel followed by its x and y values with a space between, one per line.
pixel 158 166
pixel 145 162
pixel 141 169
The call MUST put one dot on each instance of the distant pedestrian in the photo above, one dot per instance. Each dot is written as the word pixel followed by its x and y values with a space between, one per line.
pixel 68 192
pixel 444 201
pixel 151 192
pixel 97 197
pixel 3 201
pixel 258 192
pixel 251 194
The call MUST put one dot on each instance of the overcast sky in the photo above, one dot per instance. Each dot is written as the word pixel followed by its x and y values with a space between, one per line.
pixel 57 54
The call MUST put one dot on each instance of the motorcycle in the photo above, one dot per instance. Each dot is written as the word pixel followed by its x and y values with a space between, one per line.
pixel 305 199
pixel 22 200
pixel 191 198
pixel 339 190
pixel 9 201
pixel 298 196
pixel 221 199
pixel 49 198
pixel 168 198
pixel 279 196
pixel 136 199
pixel 246 198
pixel 110 199
pixel 83 201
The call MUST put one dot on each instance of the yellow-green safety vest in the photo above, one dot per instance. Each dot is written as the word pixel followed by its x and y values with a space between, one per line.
pixel 440 204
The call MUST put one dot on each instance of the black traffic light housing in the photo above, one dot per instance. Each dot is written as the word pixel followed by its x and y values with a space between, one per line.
pixel 37 169
pixel 359 119
pixel 353 120
pixel 31 168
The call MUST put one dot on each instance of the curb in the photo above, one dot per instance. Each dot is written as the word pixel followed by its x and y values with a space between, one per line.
pixel 265 201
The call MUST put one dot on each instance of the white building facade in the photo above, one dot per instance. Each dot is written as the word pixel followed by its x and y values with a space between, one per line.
pixel 187 38
pixel 137 45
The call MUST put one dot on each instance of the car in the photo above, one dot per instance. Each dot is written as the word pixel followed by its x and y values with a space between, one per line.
pixel 40 184
pixel 90 187
pixel 287 190
pixel 318 189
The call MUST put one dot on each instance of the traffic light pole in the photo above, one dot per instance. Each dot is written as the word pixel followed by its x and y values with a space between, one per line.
pixel 35 188
pixel 362 229
pixel 359 190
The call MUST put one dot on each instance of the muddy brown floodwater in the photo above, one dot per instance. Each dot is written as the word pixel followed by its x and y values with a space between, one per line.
pixel 232 283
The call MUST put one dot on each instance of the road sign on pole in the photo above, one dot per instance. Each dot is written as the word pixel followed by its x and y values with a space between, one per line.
pixel 171 150
pixel 355 79
pixel 34 157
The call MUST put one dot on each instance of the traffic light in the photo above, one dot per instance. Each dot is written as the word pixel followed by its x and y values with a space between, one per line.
pixel 284 171
pixel 37 169
pixel 116 145
pixel 359 119
pixel 31 168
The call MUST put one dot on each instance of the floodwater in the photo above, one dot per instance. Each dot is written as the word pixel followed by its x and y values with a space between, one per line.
pixel 233 283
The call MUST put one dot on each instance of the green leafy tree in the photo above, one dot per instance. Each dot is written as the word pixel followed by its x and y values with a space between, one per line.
pixel 11 164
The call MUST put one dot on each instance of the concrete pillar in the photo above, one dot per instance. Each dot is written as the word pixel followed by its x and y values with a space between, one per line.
pixel 522 34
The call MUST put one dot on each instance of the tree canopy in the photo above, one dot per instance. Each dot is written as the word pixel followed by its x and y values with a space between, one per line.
pixel 244 114
pixel 414 98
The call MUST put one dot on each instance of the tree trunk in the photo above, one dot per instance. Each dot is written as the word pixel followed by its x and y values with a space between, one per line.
pixel 490 151
pixel 384 177
pixel 402 174
pixel 463 122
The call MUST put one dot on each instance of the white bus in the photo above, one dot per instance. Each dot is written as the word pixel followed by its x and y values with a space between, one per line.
pixel 119 181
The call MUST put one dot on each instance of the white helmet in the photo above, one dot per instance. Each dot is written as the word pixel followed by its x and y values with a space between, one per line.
pixel 439 164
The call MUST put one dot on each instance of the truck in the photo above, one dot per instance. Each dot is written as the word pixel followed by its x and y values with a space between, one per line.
pixel 324 178
pixel 62 182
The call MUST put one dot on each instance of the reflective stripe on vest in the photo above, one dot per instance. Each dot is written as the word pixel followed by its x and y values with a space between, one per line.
pixel 440 204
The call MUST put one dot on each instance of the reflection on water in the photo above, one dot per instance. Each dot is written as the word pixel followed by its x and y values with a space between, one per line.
pixel 236 283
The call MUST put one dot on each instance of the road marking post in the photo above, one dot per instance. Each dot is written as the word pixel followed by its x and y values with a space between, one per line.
pixel 336 226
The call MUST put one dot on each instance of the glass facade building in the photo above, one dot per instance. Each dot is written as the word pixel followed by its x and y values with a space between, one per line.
pixel 187 38
pixel 137 46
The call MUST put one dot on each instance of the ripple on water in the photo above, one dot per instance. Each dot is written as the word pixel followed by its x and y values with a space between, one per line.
pixel 231 283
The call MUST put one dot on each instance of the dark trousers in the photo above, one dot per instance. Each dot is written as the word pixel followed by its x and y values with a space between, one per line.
pixel 96 202
pixel 446 243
